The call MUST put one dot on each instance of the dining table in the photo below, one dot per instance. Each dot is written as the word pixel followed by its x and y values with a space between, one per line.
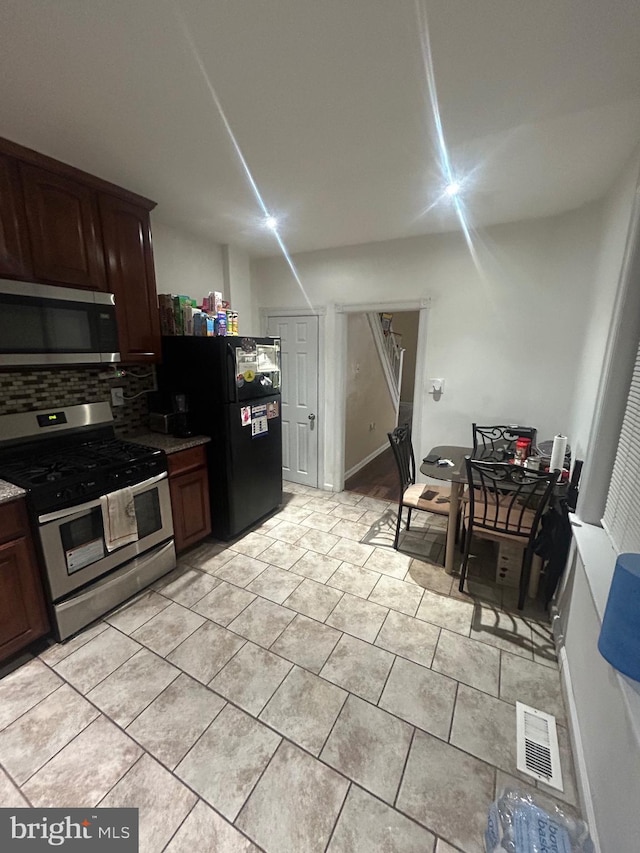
pixel 455 474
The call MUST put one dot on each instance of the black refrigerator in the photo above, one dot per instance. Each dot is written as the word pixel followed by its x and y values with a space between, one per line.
pixel 232 386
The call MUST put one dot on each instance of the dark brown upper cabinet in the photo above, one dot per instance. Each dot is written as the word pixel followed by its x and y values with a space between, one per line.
pixel 60 225
pixel 131 278
pixel 62 217
pixel 15 257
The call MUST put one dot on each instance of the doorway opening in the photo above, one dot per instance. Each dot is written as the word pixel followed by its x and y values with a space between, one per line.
pixel 380 378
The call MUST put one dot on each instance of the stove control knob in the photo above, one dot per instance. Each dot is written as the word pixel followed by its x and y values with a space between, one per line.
pixel 63 495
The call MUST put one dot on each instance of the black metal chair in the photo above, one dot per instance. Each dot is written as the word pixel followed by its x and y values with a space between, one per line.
pixel 505 502
pixel 496 442
pixel 413 495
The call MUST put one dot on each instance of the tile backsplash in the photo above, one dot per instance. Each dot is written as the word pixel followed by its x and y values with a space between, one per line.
pixel 43 388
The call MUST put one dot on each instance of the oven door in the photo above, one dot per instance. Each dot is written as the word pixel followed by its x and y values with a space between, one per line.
pixel 73 544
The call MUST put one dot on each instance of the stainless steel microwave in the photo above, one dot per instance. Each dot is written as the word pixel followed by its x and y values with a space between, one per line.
pixel 45 325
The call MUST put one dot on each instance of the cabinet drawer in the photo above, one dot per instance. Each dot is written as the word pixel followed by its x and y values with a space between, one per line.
pixel 186 460
pixel 13 520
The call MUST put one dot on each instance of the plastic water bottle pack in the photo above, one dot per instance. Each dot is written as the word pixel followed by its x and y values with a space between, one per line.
pixel 517 824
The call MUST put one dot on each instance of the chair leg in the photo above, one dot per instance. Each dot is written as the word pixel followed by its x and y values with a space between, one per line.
pixel 409 519
pixel 465 560
pixel 398 523
pixel 461 532
pixel 525 575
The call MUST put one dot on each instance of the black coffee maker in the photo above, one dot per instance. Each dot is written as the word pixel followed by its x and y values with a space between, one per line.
pixel 180 405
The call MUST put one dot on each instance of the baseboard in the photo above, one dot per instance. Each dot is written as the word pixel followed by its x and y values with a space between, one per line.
pixel 365 461
pixel 582 778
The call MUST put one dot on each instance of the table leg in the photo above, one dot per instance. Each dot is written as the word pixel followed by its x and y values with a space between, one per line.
pixel 534 577
pixel 450 548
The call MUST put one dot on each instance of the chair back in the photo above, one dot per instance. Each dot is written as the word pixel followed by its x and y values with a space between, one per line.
pixel 495 442
pixel 506 498
pixel 400 441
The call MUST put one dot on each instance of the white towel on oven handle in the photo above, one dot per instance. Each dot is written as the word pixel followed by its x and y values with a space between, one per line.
pixel 119 518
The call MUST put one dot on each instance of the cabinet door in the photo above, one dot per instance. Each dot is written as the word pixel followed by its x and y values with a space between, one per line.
pixel 131 278
pixel 62 216
pixel 15 259
pixel 23 616
pixel 190 508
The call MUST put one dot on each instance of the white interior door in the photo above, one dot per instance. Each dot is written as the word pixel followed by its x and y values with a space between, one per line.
pixel 299 351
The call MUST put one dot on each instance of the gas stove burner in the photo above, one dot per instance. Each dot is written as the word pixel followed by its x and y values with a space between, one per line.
pixel 79 470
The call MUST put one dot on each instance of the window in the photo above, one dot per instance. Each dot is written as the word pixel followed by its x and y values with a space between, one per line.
pixel 621 517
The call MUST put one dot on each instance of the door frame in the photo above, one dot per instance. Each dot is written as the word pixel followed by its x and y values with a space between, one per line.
pixel 265 314
pixel 336 426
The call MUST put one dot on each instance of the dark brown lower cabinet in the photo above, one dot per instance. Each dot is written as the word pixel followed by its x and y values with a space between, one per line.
pixel 189 485
pixel 23 613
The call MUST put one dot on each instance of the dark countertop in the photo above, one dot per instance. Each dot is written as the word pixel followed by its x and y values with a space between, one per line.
pixel 168 443
pixel 9 492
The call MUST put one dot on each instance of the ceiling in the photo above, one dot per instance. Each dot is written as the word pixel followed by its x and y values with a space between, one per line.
pixel 329 104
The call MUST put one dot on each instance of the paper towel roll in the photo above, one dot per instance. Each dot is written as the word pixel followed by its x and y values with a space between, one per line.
pixel 557 454
pixel 619 640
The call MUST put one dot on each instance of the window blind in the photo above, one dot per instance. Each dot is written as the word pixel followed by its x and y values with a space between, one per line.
pixel 621 517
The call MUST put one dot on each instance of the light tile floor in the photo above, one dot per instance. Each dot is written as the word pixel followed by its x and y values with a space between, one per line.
pixel 304 688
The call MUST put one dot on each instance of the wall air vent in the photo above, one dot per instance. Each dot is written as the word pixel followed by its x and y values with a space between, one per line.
pixel 537 741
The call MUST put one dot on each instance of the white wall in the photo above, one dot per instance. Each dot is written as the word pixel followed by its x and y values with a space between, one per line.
pixel 185 264
pixel 603 718
pixel 237 282
pixel 507 337
pixel 616 212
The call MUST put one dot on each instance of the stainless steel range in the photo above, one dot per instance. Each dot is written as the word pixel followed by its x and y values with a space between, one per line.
pixel 82 483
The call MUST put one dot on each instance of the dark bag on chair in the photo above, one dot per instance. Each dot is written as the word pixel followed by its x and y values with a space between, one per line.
pixel 552 544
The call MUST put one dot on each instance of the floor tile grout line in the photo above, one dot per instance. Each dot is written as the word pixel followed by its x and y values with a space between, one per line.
pixel 180 825
pixel 119 609
pixel 35 705
pixel 233 618
pixel 233 656
pixel 99 621
pixel 338 816
pixel 333 725
pixel 259 779
pixel 38 769
pixel 435 650
pixel 126 773
pixel 57 752
pixel 404 767
pixel 16 786
pixel 453 714
pixel 126 660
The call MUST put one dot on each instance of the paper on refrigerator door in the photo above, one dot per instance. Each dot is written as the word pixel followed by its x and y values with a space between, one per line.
pixel 259 426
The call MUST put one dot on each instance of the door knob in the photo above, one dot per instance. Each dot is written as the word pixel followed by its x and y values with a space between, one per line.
pixel 312 417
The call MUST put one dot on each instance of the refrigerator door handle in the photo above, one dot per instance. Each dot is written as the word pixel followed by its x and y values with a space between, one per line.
pixel 231 374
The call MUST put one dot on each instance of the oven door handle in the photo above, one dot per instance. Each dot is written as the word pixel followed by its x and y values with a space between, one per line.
pixel 80 508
